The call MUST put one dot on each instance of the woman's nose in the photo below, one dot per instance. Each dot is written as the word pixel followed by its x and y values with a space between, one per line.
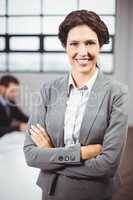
pixel 82 50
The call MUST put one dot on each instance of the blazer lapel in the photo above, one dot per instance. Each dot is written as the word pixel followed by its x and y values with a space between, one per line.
pixel 61 108
pixel 96 97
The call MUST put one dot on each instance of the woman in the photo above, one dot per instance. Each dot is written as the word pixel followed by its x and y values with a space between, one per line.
pixel 77 132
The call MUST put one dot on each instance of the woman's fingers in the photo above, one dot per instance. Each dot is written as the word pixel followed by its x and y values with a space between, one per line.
pixel 36 138
pixel 40 137
pixel 38 131
pixel 43 131
pixel 40 127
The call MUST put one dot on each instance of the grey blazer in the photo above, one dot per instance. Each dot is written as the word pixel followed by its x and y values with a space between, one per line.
pixel 104 122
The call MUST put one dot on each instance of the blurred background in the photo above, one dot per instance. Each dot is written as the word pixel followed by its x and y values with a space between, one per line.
pixel 30 50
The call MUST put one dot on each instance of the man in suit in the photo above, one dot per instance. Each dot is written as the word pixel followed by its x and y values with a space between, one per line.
pixel 11 116
pixel 77 132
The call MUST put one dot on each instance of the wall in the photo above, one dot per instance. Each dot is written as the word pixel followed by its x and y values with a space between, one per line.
pixel 124 48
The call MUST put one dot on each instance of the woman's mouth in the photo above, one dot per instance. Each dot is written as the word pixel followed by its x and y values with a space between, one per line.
pixel 83 61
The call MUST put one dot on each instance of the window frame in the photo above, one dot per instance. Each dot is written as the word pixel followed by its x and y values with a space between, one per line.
pixel 42 37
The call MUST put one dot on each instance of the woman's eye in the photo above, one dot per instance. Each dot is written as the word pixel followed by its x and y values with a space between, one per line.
pixel 74 44
pixel 90 43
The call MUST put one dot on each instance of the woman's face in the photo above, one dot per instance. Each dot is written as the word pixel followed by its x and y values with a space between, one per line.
pixel 82 49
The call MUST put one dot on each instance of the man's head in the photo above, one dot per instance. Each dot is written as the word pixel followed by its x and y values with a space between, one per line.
pixel 83 17
pixel 9 85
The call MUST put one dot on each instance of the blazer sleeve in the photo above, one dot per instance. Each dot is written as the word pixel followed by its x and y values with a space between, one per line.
pixel 48 159
pixel 106 164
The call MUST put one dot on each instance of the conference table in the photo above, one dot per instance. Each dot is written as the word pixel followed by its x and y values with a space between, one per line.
pixel 17 180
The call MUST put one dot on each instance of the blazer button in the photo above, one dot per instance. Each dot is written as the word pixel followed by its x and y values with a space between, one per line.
pixel 72 158
pixel 66 158
pixel 60 158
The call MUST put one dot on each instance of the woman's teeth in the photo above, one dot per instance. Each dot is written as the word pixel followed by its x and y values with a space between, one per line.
pixel 82 61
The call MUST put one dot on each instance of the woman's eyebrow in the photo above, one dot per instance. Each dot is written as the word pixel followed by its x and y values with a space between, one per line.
pixel 89 40
pixel 73 41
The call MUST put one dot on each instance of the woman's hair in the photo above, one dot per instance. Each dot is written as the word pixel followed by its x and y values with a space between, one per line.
pixel 83 17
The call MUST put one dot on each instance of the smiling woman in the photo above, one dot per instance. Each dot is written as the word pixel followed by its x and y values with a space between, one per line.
pixel 82 49
pixel 83 38
pixel 77 132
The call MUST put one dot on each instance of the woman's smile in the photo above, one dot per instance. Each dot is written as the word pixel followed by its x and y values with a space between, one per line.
pixel 83 61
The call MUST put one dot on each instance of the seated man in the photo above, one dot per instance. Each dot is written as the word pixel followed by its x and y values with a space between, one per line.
pixel 11 116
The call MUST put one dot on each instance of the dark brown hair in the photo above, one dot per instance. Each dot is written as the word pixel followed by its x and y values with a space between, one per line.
pixel 83 17
pixel 7 79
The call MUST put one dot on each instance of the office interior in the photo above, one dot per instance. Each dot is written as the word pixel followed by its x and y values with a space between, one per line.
pixel 30 50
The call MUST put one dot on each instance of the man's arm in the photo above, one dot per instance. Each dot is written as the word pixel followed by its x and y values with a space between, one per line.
pixel 8 129
pixel 17 113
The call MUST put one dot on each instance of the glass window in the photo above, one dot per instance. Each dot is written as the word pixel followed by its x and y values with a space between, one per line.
pixel 2 25
pixel 26 33
pixel 24 43
pixel 2 7
pixel 51 24
pixel 24 7
pixel 106 62
pixel 2 43
pixel 2 61
pixel 24 61
pixel 62 7
pixel 24 25
pixel 100 7
pixel 110 22
pixel 55 62
pixel 52 43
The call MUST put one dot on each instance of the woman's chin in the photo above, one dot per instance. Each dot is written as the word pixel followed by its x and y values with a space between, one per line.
pixel 84 68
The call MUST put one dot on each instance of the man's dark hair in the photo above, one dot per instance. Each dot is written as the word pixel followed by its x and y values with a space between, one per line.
pixel 7 79
pixel 83 17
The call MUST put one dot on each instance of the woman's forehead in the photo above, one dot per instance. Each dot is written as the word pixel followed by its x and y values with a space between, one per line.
pixel 82 31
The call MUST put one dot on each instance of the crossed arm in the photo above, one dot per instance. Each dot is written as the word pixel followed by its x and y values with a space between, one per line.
pixel 42 140
pixel 41 153
pixel 38 147
pixel 92 160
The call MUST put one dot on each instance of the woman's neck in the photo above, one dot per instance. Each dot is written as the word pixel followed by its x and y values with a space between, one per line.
pixel 81 79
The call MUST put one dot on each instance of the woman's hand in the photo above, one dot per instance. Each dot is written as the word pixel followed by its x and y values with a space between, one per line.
pixel 40 136
pixel 90 151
